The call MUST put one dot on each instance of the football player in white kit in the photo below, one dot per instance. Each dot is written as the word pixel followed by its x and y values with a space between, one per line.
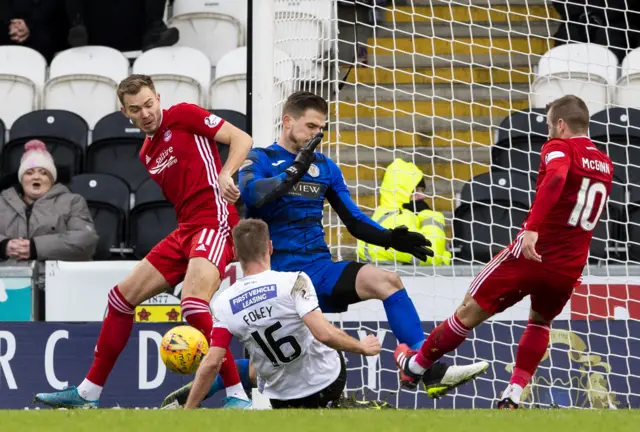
pixel 276 315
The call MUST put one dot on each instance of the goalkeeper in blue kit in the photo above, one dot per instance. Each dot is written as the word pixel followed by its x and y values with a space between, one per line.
pixel 285 185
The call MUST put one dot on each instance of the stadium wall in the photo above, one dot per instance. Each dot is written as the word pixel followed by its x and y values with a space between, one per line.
pixel 591 361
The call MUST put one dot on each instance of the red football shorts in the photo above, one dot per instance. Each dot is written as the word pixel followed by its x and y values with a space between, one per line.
pixel 506 280
pixel 171 256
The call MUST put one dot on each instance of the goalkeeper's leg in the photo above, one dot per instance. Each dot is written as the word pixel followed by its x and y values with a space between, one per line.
pixel 371 282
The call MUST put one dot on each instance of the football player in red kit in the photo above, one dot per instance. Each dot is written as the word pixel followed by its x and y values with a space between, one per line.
pixel 545 261
pixel 181 155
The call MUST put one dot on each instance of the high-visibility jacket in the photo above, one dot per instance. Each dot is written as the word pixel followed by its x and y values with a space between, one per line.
pixel 397 187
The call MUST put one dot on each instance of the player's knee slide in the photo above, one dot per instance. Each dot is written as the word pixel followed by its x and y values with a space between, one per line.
pixel 118 303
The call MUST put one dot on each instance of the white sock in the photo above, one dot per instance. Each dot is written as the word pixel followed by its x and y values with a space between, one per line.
pixel 513 392
pixel 89 390
pixel 237 391
pixel 415 367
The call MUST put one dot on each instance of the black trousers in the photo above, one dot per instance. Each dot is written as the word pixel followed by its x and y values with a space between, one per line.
pixel 321 399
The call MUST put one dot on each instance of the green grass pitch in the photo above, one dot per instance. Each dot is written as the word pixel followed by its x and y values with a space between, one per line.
pixel 321 421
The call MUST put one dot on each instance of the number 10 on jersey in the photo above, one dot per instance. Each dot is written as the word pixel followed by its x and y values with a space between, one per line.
pixel 584 204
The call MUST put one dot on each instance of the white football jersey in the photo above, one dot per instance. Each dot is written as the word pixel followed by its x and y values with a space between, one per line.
pixel 264 311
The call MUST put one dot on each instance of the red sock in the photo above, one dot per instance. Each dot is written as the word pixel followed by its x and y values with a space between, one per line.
pixel 114 335
pixel 531 348
pixel 196 312
pixel 443 339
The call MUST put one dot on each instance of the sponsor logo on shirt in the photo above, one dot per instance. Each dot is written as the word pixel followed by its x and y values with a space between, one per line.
pixel 553 155
pixel 308 190
pixel 212 121
pixel 252 297
pixel 314 171
pixel 162 162
pixel 148 159
pixel 278 163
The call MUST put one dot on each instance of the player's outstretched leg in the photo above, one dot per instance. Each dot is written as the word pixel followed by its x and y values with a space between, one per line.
pixel 531 348
pixel 143 282
pixel 446 337
pixel 200 283
pixel 439 378
pixel 178 398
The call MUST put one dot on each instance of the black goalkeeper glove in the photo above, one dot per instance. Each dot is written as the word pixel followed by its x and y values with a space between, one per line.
pixel 410 242
pixel 304 159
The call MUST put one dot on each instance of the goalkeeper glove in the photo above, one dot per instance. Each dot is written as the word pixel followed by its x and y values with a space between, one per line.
pixel 410 242
pixel 304 159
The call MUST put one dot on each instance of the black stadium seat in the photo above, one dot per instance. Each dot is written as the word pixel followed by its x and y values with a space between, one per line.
pixel 610 229
pixel 3 132
pixel 64 133
pixel 114 150
pixel 519 141
pixel 494 205
pixel 237 119
pixel 108 199
pixel 633 227
pixel 151 219
pixel 617 132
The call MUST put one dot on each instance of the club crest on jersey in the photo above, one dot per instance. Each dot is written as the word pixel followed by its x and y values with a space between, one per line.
pixel 167 135
pixel 212 121
pixel 314 171
pixel 252 297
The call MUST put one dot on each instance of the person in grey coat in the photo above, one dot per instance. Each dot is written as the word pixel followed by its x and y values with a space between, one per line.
pixel 42 220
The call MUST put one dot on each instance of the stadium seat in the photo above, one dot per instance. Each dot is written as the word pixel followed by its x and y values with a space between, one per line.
pixel 519 140
pixel 493 207
pixel 304 34
pixel 610 231
pixel 237 119
pixel 151 219
pixel 211 27
pixel 22 76
pixel 64 133
pixel 632 228
pixel 115 149
pixel 585 70
pixel 229 88
pixel 84 80
pixel 3 136
pixel 180 74
pixel 617 132
pixel 108 200
pixel 627 92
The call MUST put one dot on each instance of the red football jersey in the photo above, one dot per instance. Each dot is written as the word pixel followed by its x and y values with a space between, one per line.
pixel 182 157
pixel 565 217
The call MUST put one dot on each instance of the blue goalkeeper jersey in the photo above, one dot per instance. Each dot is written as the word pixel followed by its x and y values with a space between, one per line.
pixel 295 219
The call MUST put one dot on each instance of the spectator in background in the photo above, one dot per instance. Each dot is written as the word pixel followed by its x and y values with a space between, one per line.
pixel 138 24
pixel 612 23
pixel 42 220
pixel 402 202
pixel 36 24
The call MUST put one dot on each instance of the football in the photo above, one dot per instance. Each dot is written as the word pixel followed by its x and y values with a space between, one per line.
pixel 183 348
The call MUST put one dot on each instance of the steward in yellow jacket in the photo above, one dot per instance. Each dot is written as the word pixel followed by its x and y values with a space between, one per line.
pixel 402 203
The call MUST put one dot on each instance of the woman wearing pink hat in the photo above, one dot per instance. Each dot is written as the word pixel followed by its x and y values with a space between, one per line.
pixel 42 220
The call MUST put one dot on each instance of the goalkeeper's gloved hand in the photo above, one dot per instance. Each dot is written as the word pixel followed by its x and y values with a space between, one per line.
pixel 304 159
pixel 410 242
